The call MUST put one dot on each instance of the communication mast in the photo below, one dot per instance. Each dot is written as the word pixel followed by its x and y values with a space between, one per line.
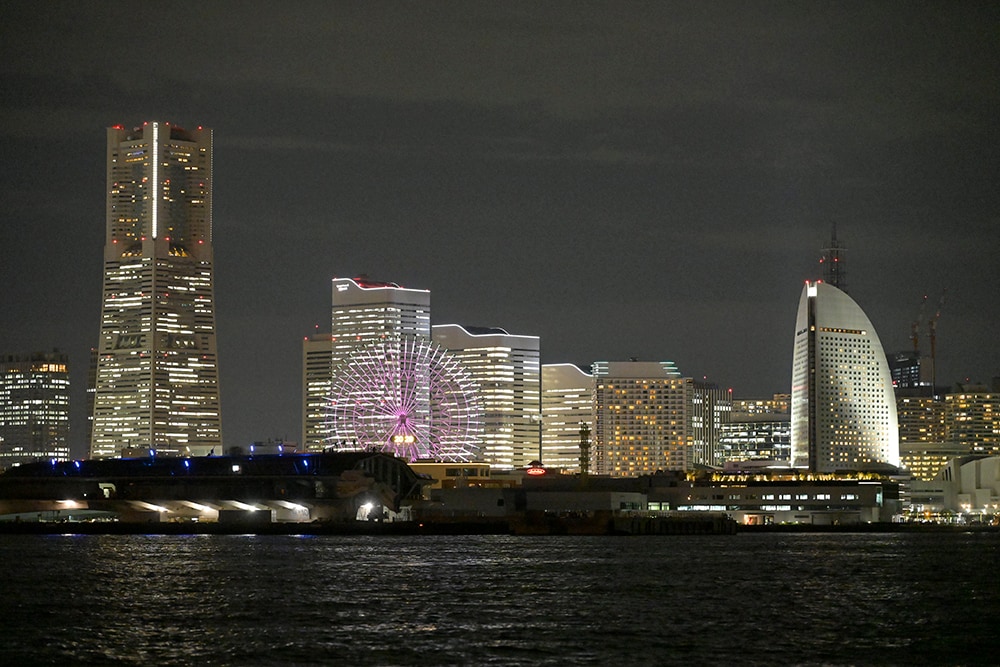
pixel 833 263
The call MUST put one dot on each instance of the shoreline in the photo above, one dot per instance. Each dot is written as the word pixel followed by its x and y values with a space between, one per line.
pixel 503 527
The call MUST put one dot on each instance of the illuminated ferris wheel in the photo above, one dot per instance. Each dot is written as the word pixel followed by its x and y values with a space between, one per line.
pixel 407 397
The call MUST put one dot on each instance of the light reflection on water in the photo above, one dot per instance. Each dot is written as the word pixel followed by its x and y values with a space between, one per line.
pixel 923 599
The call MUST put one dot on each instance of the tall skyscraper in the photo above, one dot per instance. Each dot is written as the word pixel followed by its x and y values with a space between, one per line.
pixel 505 369
pixel 368 311
pixel 843 406
pixel 567 407
pixel 380 385
pixel 157 382
pixel 34 408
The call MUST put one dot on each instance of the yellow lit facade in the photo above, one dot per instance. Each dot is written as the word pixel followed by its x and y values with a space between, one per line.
pixel 642 413
pixel 972 420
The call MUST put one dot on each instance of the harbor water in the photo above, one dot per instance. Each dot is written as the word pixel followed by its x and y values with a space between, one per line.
pixel 745 599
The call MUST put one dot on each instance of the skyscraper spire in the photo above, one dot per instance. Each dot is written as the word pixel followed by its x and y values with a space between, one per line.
pixel 833 263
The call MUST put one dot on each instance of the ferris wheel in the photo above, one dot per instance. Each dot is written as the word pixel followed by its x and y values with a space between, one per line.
pixel 408 397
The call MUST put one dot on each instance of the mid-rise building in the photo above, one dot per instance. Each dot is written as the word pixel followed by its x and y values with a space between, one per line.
pixel 757 430
pixel 157 382
pixel 34 408
pixel 505 369
pixel 911 373
pixel 843 406
pixel 972 420
pixel 567 408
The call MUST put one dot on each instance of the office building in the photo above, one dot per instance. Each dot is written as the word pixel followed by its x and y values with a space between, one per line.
pixel 911 373
pixel 157 382
pixel 757 430
pixel 380 389
pixel 392 388
pixel 567 408
pixel 843 406
pixel 317 358
pixel 505 369
pixel 34 408
pixel 368 311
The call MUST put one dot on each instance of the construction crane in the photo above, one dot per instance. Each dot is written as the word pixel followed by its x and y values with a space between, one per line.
pixel 915 327
pixel 932 333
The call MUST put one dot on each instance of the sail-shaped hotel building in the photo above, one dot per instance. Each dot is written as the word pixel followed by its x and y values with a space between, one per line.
pixel 843 406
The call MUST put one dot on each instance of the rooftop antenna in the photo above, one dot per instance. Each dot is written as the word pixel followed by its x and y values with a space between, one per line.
pixel 832 261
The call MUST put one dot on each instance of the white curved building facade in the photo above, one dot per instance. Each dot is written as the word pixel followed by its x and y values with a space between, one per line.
pixel 843 406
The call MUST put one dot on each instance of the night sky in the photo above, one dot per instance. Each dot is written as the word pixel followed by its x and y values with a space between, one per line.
pixel 650 180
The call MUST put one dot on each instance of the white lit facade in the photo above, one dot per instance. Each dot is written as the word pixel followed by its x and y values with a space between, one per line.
pixel 34 408
pixel 567 407
pixel 506 370
pixel 843 408
pixel 157 383
pixel 373 323
pixel 317 356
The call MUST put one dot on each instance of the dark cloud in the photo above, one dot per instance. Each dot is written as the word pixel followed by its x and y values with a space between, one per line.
pixel 641 179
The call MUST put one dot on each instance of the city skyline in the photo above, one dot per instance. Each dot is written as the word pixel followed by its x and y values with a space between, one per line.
pixel 650 181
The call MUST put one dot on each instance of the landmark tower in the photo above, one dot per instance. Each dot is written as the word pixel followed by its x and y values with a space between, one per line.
pixel 157 383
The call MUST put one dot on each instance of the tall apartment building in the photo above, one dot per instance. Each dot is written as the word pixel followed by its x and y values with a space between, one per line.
pixel 157 382
pixel 505 369
pixel 642 414
pixel 34 408
pixel 567 407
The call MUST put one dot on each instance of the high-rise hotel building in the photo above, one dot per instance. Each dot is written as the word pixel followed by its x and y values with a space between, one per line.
pixel 34 408
pixel 505 368
pixel 642 411
pixel 157 382
pixel 843 406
